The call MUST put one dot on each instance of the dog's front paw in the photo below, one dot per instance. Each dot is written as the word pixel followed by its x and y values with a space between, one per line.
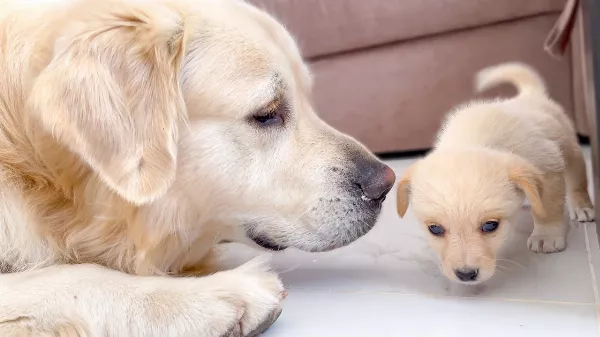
pixel 254 292
pixel 582 214
pixel 544 243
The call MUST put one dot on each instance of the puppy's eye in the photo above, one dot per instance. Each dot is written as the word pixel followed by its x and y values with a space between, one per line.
pixel 490 226
pixel 436 230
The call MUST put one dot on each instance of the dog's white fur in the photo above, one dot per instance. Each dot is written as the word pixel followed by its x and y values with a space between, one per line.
pixel 131 143
pixel 489 155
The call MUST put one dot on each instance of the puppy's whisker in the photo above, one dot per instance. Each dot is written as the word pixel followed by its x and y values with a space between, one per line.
pixel 501 267
pixel 501 271
pixel 513 262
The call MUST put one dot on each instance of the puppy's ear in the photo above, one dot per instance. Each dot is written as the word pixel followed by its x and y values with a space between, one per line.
pixel 111 95
pixel 529 179
pixel 403 196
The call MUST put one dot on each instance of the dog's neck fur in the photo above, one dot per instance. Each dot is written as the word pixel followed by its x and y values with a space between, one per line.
pixel 80 217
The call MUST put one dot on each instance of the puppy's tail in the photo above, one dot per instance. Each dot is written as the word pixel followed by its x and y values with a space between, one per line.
pixel 522 76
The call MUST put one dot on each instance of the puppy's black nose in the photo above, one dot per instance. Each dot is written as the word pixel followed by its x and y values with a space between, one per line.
pixel 467 275
pixel 374 179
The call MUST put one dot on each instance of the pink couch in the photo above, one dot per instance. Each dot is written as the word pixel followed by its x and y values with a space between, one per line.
pixel 387 71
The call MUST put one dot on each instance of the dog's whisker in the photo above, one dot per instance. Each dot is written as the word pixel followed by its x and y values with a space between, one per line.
pixel 290 269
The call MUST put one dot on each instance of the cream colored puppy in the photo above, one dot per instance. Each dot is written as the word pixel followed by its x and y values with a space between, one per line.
pixel 489 156
pixel 137 135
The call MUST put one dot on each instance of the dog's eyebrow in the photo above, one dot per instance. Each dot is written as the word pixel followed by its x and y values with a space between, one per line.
pixel 275 89
pixel 277 83
pixel 272 89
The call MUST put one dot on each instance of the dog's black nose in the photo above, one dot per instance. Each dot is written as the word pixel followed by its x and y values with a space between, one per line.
pixel 467 275
pixel 374 179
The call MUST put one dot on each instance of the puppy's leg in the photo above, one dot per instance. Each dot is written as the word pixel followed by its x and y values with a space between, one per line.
pixel 90 301
pixel 581 208
pixel 549 231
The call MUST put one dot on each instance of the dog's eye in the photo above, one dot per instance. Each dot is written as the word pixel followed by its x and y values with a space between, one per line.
pixel 436 230
pixel 489 226
pixel 271 115
pixel 269 119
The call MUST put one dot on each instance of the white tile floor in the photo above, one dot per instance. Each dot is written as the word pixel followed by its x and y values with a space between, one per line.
pixel 388 284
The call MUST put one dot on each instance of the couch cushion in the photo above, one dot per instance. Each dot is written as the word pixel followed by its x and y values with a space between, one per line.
pixel 324 27
pixel 391 105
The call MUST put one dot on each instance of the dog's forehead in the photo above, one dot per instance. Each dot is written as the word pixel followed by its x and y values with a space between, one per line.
pixel 272 39
pixel 238 60
pixel 238 73
pixel 247 46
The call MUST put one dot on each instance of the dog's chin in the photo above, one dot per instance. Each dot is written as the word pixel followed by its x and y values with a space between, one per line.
pixel 340 227
pixel 267 243
pixel 314 243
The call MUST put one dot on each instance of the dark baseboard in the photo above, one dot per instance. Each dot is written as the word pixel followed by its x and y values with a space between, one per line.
pixel 402 154
pixel 583 140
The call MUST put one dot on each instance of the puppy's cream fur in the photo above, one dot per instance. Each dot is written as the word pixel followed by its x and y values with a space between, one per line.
pixel 488 157
pixel 130 147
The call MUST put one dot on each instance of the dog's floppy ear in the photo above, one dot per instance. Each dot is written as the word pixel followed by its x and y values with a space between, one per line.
pixel 403 194
pixel 529 179
pixel 111 95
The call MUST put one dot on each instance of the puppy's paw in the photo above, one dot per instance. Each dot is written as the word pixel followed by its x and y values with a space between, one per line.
pixel 253 292
pixel 546 243
pixel 582 214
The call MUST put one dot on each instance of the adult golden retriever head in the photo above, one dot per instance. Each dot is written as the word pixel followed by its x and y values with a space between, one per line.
pixel 200 113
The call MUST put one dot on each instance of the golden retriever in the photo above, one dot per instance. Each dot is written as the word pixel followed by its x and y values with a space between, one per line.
pixel 489 156
pixel 137 135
